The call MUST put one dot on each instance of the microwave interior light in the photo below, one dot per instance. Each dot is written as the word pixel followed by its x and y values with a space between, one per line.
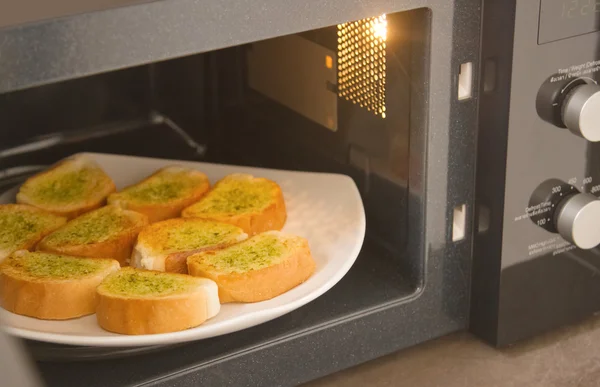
pixel 361 60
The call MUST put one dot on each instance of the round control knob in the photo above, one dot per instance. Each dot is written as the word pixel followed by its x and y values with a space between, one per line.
pixel 581 111
pixel 577 220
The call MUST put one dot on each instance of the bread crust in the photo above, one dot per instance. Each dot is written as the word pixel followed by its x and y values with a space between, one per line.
pixel 263 284
pixel 155 213
pixel 177 262
pixel 51 299
pixel 273 217
pixel 75 209
pixel 137 316
pixel 160 211
pixel 118 247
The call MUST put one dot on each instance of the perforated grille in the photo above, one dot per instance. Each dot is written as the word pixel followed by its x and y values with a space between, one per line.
pixel 361 63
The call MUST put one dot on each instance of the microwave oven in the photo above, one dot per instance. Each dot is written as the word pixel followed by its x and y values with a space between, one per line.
pixel 441 112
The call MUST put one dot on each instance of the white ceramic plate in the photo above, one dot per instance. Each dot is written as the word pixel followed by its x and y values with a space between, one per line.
pixel 324 208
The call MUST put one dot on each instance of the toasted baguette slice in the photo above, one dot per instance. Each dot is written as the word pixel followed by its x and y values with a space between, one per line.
pixel 22 227
pixel 164 194
pixel 51 287
pixel 253 203
pixel 165 246
pixel 138 302
pixel 72 187
pixel 108 232
pixel 257 269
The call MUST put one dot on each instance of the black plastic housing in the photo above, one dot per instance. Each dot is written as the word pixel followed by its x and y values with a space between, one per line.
pixel 526 278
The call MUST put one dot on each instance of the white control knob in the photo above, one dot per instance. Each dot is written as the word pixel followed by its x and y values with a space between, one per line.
pixel 578 220
pixel 581 111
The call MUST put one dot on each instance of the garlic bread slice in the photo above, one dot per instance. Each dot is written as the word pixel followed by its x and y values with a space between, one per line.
pixel 23 226
pixel 51 287
pixel 165 246
pixel 164 194
pixel 108 232
pixel 255 204
pixel 257 269
pixel 137 302
pixel 70 188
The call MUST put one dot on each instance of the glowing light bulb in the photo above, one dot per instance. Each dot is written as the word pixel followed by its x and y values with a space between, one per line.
pixel 380 28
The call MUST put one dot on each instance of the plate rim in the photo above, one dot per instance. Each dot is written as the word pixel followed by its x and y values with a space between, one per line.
pixel 258 317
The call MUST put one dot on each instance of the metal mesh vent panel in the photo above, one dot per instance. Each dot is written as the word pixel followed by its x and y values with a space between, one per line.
pixel 361 63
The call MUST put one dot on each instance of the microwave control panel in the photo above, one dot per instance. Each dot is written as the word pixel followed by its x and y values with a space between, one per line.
pixel 538 177
pixel 571 103
pixel 552 192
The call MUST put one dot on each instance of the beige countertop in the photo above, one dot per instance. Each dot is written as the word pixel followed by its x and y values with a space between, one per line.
pixel 568 357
